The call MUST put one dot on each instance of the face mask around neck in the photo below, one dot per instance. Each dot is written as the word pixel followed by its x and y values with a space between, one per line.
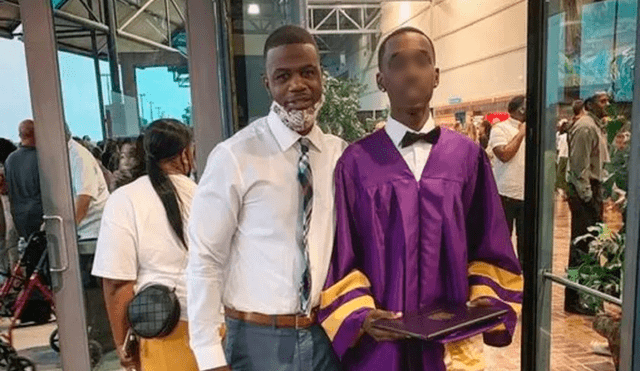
pixel 298 120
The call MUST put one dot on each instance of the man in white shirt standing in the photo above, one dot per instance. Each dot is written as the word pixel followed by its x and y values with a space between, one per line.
pixel 507 141
pixel 90 194
pixel 262 227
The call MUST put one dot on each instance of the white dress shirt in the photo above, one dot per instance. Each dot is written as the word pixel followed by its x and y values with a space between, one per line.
pixel 244 251
pixel 509 175
pixel 415 155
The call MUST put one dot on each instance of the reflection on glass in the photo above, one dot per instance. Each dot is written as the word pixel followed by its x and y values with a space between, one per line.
pixel 591 54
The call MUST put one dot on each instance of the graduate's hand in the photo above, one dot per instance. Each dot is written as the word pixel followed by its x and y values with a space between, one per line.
pixel 378 334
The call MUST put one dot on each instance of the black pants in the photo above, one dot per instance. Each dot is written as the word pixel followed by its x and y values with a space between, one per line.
pixel 96 311
pixel 583 216
pixel 514 211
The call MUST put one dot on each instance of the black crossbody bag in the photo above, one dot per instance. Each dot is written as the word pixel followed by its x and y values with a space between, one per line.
pixel 154 311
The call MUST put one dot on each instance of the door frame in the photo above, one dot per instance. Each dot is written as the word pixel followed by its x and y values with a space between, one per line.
pixel 55 181
pixel 536 312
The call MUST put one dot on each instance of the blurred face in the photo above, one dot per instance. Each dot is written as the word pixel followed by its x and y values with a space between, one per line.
pixel 293 76
pixel 127 156
pixel 408 72
pixel 622 140
pixel 521 113
pixel 600 105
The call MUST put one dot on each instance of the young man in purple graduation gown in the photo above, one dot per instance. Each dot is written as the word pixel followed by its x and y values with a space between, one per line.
pixel 419 222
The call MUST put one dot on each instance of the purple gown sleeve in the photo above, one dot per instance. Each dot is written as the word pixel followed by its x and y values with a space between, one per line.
pixel 494 270
pixel 346 299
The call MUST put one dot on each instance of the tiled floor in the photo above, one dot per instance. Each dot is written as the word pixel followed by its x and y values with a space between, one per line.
pixel 571 335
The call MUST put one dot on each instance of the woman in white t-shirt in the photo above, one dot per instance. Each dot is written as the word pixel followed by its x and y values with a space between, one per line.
pixel 142 240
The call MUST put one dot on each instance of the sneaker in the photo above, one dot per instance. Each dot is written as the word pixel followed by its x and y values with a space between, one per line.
pixel 601 348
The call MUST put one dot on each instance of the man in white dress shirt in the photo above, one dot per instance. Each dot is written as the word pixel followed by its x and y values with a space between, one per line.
pixel 507 140
pixel 262 227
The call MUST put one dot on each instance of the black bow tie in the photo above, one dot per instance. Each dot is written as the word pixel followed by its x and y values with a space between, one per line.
pixel 410 137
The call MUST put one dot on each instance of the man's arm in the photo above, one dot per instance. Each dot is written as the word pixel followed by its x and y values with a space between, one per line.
pixel 582 143
pixel 82 207
pixel 213 222
pixel 506 152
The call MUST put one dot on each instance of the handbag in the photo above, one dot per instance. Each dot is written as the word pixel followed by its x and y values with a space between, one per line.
pixel 154 311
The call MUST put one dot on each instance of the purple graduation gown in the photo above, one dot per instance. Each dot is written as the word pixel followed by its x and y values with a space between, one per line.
pixel 403 245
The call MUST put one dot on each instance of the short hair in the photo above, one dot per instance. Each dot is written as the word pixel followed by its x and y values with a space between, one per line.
pixel 515 103
pixel 287 35
pixel 588 103
pixel 26 129
pixel 577 106
pixel 400 31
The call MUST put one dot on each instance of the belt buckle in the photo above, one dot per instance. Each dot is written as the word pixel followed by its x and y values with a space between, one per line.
pixel 296 322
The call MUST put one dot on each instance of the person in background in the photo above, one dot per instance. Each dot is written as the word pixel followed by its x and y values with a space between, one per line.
pixel 588 153
pixel 8 233
pixel 132 162
pixel 484 133
pixel 578 111
pixel 6 148
pixel 508 145
pixel 90 193
pixel 262 226
pixel 97 154
pixel 471 131
pixel 143 240
pixel 23 180
pixel 562 157
pixel 110 155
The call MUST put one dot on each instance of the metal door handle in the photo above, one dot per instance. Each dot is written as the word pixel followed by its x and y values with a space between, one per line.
pixel 64 254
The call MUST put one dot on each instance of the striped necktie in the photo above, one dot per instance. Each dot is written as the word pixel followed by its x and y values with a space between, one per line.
pixel 305 179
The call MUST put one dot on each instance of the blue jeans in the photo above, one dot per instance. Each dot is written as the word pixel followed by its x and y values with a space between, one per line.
pixel 252 347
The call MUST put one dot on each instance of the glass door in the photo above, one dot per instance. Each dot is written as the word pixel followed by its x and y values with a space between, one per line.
pixel 582 61
pixel 117 66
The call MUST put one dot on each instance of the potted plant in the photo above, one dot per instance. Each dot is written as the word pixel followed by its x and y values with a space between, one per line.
pixel 339 114
pixel 602 269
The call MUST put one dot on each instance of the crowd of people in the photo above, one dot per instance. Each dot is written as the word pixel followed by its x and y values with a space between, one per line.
pixel 293 244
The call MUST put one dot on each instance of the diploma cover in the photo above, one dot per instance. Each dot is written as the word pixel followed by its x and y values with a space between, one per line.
pixel 441 321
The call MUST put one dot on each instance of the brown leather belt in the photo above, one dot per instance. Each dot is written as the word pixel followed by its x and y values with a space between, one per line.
pixel 296 321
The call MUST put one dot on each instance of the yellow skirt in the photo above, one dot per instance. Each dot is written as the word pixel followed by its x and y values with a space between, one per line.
pixel 170 353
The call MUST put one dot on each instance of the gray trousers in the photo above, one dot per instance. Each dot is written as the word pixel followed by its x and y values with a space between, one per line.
pixel 251 347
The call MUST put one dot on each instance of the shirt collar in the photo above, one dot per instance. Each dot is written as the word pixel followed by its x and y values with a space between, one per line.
pixel 514 122
pixel 599 121
pixel 396 131
pixel 286 137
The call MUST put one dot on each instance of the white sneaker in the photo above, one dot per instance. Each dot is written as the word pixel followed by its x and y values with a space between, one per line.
pixel 601 348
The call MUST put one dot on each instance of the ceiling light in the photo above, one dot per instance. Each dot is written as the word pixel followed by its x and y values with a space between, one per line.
pixel 254 9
